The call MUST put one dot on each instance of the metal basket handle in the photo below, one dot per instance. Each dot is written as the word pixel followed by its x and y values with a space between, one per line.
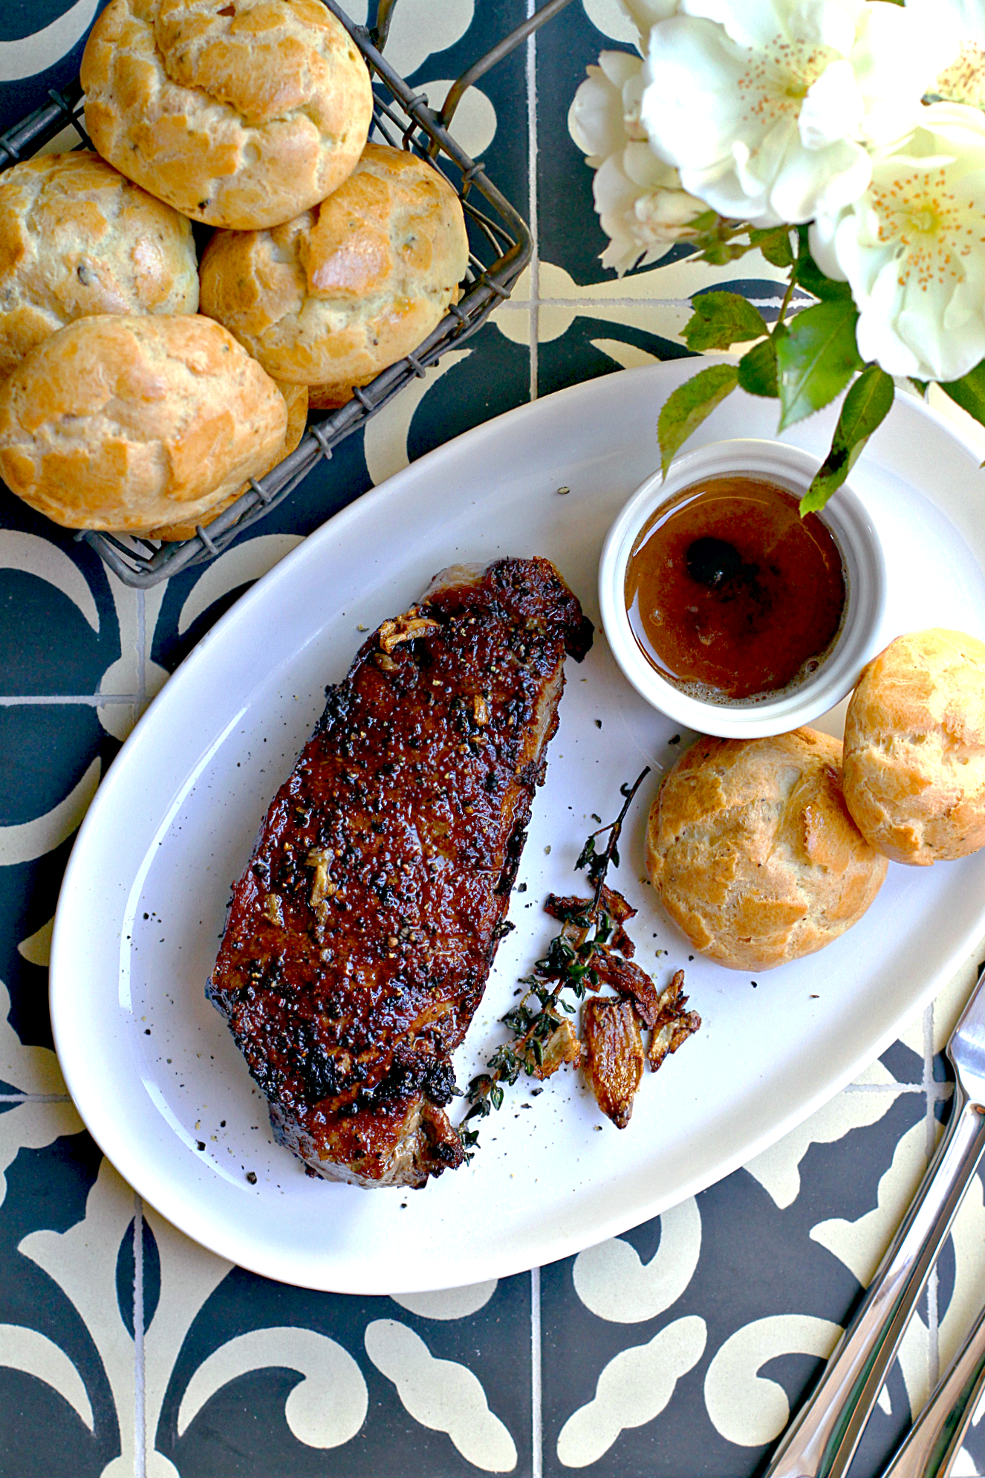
pixel 503 48
pixel 381 30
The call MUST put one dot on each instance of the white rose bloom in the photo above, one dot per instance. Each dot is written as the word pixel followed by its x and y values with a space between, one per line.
pixel 769 108
pixel 963 79
pixel 646 13
pixel 639 199
pixel 913 249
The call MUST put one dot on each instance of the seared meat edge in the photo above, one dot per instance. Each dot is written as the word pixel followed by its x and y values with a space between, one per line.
pixel 361 935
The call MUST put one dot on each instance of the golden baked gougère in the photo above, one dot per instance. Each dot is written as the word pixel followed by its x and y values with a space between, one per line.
pixel 238 113
pixel 130 422
pixel 752 852
pixel 77 238
pixel 915 748
pixel 349 287
pixel 296 399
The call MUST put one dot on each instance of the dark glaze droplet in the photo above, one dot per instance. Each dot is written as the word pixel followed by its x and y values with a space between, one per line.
pixel 712 562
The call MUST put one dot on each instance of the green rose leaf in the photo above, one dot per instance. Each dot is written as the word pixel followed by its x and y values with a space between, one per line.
pixel 867 404
pixel 720 253
pixel 810 276
pixel 969 392
pixel 687 406
pixel 816 358
pixel 812 279
pixel 721 319
pixel 774 243
pixel 757 370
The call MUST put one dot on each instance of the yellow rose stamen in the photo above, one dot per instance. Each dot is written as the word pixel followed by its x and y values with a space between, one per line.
pixel 928 224
pixel 777 79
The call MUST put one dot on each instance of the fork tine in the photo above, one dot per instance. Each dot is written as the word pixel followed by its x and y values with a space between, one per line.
pixel 821 1440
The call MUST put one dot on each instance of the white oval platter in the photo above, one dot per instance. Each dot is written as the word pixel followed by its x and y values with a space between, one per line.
pixel 150 1063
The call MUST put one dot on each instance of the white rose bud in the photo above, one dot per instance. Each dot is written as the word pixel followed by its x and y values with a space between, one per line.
pixel 641 205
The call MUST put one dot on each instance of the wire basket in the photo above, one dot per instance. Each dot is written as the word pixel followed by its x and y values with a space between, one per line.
pixel 499 249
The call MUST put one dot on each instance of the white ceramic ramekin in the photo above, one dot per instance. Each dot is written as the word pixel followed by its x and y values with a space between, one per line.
pixel 865 574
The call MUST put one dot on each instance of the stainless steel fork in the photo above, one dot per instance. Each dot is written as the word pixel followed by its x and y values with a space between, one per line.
pixel 935 1438
pixel 822 1438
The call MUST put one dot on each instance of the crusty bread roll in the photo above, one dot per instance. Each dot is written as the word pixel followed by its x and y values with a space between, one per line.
pixel 345 289
pixel 752 852
pixel 125 422
pixel 77 238
pixel 296 399
pixel 915 748
pixel 237 112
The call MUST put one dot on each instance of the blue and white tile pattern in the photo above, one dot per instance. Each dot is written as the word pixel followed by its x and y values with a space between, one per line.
pixel 126 1351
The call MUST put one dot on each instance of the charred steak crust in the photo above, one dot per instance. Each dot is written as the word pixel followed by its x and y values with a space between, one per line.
pixel 360 937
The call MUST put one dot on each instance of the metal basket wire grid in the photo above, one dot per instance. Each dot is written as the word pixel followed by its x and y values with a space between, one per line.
pixel 499 249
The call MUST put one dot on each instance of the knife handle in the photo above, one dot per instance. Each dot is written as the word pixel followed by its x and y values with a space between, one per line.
pixel 934 1440
pixel 822 1438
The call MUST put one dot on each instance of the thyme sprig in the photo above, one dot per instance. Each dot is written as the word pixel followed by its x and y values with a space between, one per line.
pixel 543 1038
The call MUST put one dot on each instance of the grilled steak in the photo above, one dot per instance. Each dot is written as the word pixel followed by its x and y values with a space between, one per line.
pixel 361 935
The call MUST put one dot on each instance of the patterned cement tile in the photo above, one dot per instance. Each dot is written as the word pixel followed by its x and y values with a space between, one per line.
pixel 717 1319
pixel 457 1365
pixel 128 1352
pixel 59 631
pixel 41 43
pixel 67 1376
pixel 489 124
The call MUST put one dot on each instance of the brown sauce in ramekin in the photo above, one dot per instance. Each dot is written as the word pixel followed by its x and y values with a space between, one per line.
pixel 730 593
